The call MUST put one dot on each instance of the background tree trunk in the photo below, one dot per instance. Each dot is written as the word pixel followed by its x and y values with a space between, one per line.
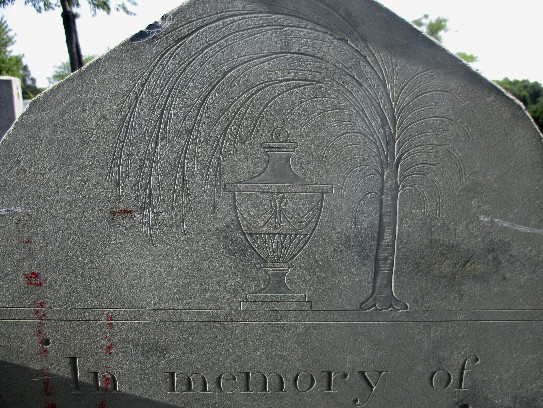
pixel 72 39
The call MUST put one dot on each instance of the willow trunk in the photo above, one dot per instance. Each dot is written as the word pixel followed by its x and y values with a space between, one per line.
pixel 382 296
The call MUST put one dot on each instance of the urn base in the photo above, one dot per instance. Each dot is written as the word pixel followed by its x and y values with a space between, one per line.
pixel 275 305
pixel 277 295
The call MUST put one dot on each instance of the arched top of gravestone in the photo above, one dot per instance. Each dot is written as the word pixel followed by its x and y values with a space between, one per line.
pixel 254 155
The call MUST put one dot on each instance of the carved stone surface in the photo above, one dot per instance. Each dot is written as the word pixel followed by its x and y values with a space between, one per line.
pixel 272 203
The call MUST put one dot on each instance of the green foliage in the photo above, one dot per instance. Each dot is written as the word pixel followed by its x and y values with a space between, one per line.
pixel 29 87
pixel 7 39
pixel 13 65
pixel 433 28
pixel 61 71
pixel 39 5
pixel 103 5
pixel 469 58
pixel 530 94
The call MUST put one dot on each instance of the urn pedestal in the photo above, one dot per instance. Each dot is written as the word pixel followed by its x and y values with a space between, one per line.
pixel 278 212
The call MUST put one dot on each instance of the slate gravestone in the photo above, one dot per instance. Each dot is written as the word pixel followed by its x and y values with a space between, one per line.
pixel 272 204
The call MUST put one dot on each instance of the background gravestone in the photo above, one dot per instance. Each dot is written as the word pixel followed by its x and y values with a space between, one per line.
pixel 11 102
pixel 272 203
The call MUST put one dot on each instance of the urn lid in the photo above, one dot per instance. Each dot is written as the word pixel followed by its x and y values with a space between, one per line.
pixel 278 175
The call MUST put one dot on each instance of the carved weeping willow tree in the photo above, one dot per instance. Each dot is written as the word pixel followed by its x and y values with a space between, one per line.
pixel 224 79
pixel 410 152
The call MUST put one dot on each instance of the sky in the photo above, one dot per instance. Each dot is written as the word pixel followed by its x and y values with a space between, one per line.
pixel 505 35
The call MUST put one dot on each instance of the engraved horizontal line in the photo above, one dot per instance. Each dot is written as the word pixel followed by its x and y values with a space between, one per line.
pixel 274 322
pixel 427 310
pixel 277 188
pixel 249 311
pixel 53 314
pixel 114 308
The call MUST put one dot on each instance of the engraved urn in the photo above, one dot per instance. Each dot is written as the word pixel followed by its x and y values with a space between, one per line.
pixel 278 212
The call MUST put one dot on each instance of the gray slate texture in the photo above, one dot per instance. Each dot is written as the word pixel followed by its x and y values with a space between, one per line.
pixel 266 203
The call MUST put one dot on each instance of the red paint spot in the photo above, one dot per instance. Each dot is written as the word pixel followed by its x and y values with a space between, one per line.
pixel 47 386
pixel 109 319
pixel 27 241
pixel 32 279
pixel 39 332
pixel 39 314
pixel 108 350
pixel 102 404
pixel 40 338
pixel 106 380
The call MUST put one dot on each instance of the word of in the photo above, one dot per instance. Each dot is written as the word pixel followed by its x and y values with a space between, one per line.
pixel 443 379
